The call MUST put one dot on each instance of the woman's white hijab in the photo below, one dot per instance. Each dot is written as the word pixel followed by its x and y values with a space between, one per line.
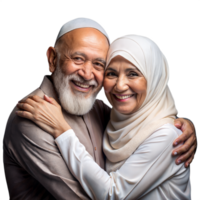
pixel 125 133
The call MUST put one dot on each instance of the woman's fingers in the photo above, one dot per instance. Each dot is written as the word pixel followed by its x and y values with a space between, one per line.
pixel 32 101
pixel 36 101
pixel 48 99
pixel 26 107
pixel 35 119
pixel 33 107
pixel 36 98
pixel 24 114
pixel 27 104
pixel 39 101
pixel 46 113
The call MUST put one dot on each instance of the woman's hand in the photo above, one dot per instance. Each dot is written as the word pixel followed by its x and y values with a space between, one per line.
pixel 188 139
pixel 46 113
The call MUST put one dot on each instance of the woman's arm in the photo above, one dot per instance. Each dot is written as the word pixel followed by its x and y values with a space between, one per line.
pixel 137 175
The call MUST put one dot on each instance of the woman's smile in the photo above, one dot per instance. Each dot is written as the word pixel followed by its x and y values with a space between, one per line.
pixel 123 97
pixel 125 86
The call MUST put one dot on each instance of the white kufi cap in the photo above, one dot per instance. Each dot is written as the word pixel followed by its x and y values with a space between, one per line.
pixel 80 23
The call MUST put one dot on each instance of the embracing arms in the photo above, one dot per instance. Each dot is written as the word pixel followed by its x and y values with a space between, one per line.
pixel 49 117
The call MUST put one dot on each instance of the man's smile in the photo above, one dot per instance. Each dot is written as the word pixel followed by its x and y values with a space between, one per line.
pixel 81 84
pixel 81 87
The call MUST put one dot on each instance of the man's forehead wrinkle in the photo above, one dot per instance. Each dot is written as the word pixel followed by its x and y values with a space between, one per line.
pixel 87 35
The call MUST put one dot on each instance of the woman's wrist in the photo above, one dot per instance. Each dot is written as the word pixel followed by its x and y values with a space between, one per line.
pixel 60 130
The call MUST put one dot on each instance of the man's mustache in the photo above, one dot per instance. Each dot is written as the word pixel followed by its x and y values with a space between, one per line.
pixel 75 77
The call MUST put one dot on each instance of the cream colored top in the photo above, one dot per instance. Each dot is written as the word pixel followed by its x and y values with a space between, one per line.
pixel 150 173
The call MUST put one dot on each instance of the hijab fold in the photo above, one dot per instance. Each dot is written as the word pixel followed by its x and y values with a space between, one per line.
pixel 125 133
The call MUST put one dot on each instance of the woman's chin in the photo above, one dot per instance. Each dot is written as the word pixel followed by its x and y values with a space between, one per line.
pixel 125 111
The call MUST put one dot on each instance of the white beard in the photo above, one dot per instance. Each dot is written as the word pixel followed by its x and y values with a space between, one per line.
pixel 73 102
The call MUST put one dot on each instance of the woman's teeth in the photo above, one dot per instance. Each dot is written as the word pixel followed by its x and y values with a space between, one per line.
pixel 123 97
pixel 81 85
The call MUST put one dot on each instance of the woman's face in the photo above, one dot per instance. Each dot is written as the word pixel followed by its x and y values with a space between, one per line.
pixel 124 85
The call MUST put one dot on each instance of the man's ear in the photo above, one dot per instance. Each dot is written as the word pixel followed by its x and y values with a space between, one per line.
pixel 51 57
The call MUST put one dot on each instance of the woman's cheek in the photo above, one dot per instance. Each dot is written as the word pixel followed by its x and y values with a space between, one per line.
pixel 108 85
pixel 140 85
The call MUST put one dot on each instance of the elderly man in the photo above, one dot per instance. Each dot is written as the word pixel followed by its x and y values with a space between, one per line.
pixel 33 164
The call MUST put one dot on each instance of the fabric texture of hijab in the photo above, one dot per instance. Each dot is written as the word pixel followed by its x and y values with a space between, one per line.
pixel 125 133
pixel 80 23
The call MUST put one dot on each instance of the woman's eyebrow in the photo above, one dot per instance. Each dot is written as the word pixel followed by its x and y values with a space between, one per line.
pixel 131 69
pixel 111 69
pixel 127 70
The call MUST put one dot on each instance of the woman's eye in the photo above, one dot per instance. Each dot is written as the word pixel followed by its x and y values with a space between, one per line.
pixel 110 74
pixel 133 74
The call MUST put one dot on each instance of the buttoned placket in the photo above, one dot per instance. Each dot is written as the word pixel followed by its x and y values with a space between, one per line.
pixel 87 121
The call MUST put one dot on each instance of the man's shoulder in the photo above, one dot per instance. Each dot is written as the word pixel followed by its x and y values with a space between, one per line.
pixel 38 91
pixel 20 129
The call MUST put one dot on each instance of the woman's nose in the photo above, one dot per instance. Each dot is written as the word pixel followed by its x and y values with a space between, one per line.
pixel 121 84
pixel 86 72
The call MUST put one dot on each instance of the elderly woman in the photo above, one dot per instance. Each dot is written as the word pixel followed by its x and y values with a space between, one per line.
pixel 137 141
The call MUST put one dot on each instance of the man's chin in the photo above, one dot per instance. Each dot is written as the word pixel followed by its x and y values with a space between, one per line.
pixel 75 113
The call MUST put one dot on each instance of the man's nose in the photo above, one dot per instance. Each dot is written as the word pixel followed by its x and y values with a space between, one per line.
pixel 87 71
pixel 121 84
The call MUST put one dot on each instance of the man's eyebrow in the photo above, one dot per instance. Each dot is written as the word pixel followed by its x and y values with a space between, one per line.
pixel 84 55
pixel 79 53
pixel 101 60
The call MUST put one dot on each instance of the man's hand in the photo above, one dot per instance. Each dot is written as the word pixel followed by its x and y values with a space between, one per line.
pixel 188 139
